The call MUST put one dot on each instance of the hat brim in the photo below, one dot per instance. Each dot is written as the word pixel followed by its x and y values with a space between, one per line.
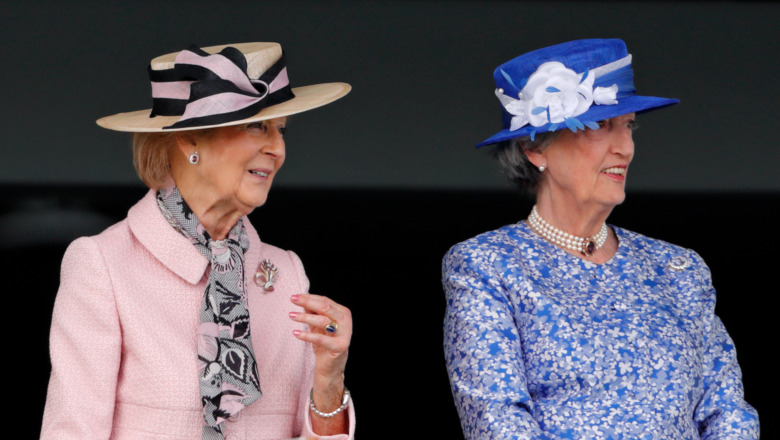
pixel 628 104
pixel 306 98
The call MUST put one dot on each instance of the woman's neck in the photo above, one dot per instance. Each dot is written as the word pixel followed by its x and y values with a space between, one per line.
pixel 216 214
pixel 217 218
pixel 579 220
pixel 574 218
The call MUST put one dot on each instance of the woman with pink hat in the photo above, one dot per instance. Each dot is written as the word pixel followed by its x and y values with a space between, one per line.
pixel 562 326
pixel 178 322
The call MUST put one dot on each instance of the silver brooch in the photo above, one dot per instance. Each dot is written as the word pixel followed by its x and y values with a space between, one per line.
pixel 678 263
pixel 266 274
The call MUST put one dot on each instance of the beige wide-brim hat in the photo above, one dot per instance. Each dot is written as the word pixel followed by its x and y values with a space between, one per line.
pixel 265 71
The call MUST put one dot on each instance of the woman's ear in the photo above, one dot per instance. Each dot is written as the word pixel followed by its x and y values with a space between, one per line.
pixel 535 157
pixel 186 143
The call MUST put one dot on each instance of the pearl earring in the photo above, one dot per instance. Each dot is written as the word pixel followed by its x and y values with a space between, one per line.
pixel 194 158
pixel 543 167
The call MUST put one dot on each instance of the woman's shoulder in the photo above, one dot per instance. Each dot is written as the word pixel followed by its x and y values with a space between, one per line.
pixel 261 249
pixel 502 241
pixel 268 256
pixel 113 239
pixel 117 237
pixel 683 265
pixel 144 236
pixel 638 242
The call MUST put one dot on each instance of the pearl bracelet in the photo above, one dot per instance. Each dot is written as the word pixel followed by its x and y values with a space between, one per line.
pixel 344 402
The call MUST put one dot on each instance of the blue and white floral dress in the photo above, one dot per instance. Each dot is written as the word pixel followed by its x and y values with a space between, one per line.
pixel 541 344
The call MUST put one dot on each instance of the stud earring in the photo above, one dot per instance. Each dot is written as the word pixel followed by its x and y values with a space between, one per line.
pixel 543 167
pixel 194 158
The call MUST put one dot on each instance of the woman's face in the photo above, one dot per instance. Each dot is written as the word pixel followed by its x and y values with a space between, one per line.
pixel 238 164
pixel 589 168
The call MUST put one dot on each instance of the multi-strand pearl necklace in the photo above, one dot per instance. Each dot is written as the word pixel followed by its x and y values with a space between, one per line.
pixel 565 240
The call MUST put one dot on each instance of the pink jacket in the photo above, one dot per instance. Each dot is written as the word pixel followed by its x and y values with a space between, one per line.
pixel 123 339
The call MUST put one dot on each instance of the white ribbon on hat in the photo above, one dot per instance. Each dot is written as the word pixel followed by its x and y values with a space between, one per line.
pixel 555 93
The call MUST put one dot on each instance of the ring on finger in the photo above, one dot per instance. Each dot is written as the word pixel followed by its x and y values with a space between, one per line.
pixel 331 327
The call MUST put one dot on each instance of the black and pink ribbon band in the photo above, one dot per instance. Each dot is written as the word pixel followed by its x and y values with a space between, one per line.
pixel 206 89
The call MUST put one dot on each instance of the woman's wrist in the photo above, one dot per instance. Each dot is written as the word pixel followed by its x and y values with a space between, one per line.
pixel 344 403
pixel 328 393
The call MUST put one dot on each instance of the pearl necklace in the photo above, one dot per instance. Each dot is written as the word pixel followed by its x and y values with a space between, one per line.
pixel 586 245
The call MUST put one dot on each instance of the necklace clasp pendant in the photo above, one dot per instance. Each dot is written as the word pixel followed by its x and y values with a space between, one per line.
pixel 589 247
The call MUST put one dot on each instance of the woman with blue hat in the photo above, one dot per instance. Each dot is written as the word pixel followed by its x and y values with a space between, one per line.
pixel 562 326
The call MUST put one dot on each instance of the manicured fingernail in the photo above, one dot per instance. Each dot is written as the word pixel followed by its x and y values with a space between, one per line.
pixel 295 298
pixel 293 315
pixel 296 332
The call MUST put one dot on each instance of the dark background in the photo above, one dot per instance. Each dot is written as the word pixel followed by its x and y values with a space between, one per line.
pixel 378 185
pixel 422 73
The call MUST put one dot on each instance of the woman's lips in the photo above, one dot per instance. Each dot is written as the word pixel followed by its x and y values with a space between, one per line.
pixel 260 172
pixel 616 172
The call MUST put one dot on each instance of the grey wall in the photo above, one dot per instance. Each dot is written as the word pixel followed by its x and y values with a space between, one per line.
pixel 422 77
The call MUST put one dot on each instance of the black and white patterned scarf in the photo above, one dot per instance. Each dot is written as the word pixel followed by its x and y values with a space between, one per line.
pixel 226 360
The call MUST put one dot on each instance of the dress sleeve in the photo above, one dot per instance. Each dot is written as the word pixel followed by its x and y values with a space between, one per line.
pixel 304 414
pixel 483 350
pixel 722 412
pixel 85 345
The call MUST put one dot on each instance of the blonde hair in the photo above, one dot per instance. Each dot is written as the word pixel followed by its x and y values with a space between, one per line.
pixel 152 157
pixel 153 154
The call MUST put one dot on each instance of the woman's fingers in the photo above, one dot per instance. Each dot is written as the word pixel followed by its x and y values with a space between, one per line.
pixel 330 322
pixel 324 306
pixel 335 346
pixel 312 320
pixel 331 349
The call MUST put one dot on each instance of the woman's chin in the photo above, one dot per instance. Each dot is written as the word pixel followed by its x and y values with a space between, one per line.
pixel 256 203
pixel 252 197
pixel 613 200
pixel 248 204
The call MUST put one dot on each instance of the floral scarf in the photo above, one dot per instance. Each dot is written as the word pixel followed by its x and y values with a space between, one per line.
pixel 226 360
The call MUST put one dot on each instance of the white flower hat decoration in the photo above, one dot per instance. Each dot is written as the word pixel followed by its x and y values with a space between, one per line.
pixel 570 85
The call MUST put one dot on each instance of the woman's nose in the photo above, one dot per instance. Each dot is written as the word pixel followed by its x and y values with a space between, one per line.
pixel 274 144
pixel 623 142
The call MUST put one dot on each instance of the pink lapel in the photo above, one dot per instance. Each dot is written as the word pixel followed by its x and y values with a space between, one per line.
pixel 253 253
pixel 171 248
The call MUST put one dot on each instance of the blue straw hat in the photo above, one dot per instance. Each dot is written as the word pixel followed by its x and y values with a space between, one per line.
pixel 570 85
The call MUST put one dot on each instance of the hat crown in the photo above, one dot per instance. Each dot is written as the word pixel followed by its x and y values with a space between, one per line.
pixel 219 86
pixel 569 85
pixel 260 56
pixel 578 55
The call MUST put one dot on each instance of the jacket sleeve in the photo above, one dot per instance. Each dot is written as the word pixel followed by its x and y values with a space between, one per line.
pixel 722 412
pixel 483 350
pixel 85 345
pixel 304 414
pixel 308 432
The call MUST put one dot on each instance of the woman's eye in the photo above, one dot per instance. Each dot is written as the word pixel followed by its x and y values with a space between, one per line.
pixel 265 126
pixel 632 125
pixel 602 124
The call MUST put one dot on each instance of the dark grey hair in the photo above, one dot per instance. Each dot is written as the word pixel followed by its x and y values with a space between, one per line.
pixel 515 165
